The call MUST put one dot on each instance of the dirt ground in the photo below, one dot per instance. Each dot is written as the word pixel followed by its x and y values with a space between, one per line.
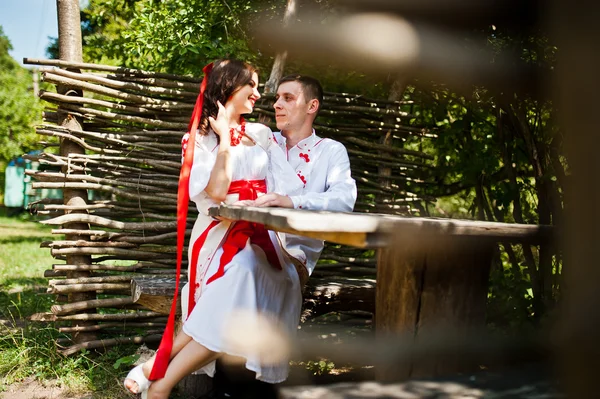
pixel 32 389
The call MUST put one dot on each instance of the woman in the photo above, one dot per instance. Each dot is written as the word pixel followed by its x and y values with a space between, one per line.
pixel 239 267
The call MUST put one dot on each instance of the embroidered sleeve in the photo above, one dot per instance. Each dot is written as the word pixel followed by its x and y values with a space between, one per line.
pixel 204 161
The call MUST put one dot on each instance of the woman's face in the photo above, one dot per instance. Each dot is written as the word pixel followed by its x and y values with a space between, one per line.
pixel 243 98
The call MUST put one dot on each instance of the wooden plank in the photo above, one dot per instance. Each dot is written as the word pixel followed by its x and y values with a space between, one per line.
pixel 323 294
pixel 279 219
pixel 377 230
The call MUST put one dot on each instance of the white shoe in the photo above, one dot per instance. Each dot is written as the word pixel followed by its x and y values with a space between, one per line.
pixel 137 374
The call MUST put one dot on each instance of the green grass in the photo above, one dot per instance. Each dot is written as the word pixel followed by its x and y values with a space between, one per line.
pixel 28 348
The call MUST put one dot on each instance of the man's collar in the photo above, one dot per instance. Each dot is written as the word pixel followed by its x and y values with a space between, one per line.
pixel 307 142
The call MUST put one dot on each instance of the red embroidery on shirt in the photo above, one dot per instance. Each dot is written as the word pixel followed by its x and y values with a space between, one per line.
pixel 318 142
pixel 302 178
pixel 305 157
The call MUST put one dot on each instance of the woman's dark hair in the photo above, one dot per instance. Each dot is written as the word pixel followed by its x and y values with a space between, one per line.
pixel 226 78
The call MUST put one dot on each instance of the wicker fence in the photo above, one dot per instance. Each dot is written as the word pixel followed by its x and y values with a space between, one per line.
pixel 133 122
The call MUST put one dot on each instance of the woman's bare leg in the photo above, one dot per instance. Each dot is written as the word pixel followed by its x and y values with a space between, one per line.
pixel 181 340
pixel 192 357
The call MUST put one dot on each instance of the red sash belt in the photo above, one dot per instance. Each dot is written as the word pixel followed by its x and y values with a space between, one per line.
pixel 235 239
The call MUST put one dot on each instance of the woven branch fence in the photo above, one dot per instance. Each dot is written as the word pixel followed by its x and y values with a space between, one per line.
pixel 133 122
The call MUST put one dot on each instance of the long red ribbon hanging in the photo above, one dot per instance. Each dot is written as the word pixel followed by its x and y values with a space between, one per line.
pixel 163 354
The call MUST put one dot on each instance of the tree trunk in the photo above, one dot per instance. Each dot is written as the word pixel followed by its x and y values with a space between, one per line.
pixel 518 212
pixel 396 91
pixel 279 63
pixel 69 40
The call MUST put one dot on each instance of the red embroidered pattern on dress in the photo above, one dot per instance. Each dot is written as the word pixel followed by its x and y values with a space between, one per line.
pixel 305 157
pixel 184 143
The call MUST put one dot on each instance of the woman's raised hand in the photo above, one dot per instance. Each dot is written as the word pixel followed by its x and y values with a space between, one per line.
pixel 221 124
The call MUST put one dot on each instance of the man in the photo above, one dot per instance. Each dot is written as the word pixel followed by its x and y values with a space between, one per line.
pixel 324 168
pixel 322 164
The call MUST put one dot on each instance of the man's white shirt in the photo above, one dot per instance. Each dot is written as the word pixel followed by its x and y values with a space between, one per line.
pixel 323 166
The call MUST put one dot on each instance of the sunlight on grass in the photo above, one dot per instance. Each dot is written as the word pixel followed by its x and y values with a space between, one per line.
pixel 21 255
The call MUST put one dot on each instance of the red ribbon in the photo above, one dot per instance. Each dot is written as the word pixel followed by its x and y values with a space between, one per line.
pixel 163 353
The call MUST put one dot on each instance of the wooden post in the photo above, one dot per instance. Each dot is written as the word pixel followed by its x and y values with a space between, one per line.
pixel 69 41
pixel 429 282
pixel 396 91
pixel 577 83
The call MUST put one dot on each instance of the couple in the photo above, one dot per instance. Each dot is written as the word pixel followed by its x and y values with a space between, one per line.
pixel 240 272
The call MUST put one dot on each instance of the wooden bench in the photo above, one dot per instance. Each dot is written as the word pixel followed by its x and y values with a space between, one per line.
pixel 430 272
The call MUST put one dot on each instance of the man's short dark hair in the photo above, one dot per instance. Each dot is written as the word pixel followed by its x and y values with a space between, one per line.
pixel 311 87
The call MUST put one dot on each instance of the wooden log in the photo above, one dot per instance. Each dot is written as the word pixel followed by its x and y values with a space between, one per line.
pixel 80 141
pixel 55 273
pixel 108 316
pixel 143 109
pixel 117 145
pixel 92 304
pixel 90 280
pixel 155 293
pixel 126 118
pixel 190 87
pixel 131 268
pixel 83 243
pixel 123 325
pixel 102 187
pixel 111 68
pixel 126 86
pixel 336 294
pixel 159 164
pixel 70 288
pixel 99 89
pixel 105 343
pixel 396 161
pixel 99 221
pixel 121 253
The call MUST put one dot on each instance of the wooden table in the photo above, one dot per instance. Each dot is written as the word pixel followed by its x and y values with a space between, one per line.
pixel 432 273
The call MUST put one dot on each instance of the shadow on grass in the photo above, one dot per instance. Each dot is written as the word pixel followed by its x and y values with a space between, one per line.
pixel 22 297
pixel 24 239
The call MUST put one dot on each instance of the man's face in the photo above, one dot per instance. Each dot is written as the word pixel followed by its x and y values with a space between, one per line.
pixel 291 107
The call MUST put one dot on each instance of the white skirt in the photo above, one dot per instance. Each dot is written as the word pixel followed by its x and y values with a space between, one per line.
pixel 230 315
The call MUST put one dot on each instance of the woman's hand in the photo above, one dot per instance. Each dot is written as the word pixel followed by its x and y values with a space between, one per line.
pixel 243 203
pixel 221 124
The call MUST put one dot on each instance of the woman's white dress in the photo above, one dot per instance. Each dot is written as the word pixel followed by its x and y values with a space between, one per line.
pixel 251 289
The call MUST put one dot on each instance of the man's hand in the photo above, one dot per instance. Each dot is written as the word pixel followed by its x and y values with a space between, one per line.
pixel 272 199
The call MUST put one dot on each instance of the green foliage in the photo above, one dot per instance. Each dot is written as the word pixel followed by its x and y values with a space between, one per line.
pixel 20 108
pixel 176 36
pixel 319 367
pixel 126 361
pixel 498 157
pixel 181 36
